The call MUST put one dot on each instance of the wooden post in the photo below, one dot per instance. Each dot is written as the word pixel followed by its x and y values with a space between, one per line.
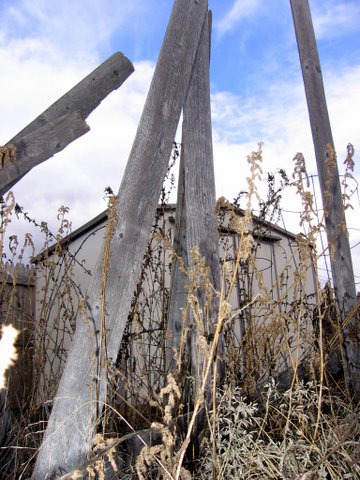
pixel 66 112
pixel 200 196
pixel 196 223
pixel 337 234
pixel 38 146
pixel 82 390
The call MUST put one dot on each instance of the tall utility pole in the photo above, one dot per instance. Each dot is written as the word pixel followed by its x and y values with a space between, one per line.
pixel 337 234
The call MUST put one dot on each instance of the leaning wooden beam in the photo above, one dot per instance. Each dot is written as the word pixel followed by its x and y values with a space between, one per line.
pixel 38 146
pixel 83 98
pixel 82 390
pixel 337 234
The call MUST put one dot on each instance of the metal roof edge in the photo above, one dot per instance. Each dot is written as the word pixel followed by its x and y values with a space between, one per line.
pixel 170 207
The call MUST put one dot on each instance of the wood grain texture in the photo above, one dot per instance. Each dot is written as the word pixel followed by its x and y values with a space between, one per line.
pixel 177 320
pixel 84 97
pixel 40 145
pixel 196 227
pixel 196 223
pixel 82 390
pixel 87 94
pixel 341 262
pixel 199 182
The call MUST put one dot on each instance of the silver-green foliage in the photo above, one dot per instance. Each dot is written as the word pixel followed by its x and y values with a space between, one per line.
pixel 300 434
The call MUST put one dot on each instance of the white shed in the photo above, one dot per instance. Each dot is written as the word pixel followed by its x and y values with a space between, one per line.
pixel 270 301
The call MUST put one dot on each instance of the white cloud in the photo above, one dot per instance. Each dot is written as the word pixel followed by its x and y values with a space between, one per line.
pixel 333 19
pixel 280 120
pixel 29 84
pixel 241 9
pixel 278 116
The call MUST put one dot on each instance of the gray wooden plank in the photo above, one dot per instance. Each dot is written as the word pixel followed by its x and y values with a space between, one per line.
pixel 177 322
pixel 196 227
pixel 38 146
pixel 83 97
pixel 200 195
pixel 196 221
pixel 17 274
pixel 341 262
pixel 82 390
pixel 87 94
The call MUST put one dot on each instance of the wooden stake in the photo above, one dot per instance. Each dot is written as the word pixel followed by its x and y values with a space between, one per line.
pixel 196 223
pixel 196 227
pixel 337 234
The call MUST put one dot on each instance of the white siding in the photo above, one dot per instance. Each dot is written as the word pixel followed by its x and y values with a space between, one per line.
pixel 261 330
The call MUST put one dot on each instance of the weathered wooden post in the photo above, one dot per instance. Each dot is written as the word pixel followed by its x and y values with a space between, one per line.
pixel 82 390
pixel 337 234
pixel 36 147
pixel 193 311
pixel 64 121
pixel 196 223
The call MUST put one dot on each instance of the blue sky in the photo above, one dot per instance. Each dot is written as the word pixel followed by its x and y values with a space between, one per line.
pixel 257 92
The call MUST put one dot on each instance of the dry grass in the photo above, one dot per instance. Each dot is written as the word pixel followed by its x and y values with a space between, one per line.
pixel 257 423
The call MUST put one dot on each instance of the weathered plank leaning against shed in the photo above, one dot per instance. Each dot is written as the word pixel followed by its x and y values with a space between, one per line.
pixel 61 123
pixel 82 391
pixel 338 241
